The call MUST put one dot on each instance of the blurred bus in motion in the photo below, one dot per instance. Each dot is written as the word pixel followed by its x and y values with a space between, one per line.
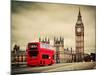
pixel 39 54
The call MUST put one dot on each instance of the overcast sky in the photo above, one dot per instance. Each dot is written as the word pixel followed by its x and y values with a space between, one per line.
pixel 31 20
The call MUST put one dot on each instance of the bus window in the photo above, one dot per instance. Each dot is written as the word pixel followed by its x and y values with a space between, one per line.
pixel 33 53
pixel 44 56
pixel 32 46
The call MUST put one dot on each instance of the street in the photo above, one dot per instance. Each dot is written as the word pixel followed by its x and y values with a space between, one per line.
pixel 55 68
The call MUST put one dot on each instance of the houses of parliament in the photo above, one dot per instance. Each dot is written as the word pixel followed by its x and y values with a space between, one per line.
pixel 67 55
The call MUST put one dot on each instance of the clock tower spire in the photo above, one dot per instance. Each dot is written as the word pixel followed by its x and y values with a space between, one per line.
pixel 79 16
pixel 79 38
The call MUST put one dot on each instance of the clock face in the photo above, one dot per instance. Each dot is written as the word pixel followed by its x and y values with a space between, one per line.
pixel 78 29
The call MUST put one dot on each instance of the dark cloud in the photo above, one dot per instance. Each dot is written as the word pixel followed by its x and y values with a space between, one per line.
pixel 16 6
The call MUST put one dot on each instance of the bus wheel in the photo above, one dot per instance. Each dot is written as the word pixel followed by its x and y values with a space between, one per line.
pixel 50 63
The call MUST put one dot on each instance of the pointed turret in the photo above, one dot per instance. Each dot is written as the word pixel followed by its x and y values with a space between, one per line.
pixel 45 39
pixel 60 38
pixel 39 39
pixel 79 19
pixel 48 41
pixel 79 14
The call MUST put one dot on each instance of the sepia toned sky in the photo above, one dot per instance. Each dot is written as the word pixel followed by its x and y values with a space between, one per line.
pixel 31 20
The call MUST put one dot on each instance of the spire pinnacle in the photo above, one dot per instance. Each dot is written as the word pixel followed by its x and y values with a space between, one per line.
pixel 39 39
pixel 79 14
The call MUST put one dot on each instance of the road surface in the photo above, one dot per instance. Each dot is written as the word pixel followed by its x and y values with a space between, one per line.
pixel 55 68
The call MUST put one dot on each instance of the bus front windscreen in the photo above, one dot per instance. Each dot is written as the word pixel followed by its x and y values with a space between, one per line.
pixel 33 53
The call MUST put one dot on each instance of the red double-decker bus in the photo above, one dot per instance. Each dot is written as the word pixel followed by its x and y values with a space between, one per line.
pixel 39 54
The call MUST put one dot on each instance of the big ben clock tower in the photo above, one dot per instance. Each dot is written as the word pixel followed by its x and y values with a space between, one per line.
pixel 79 38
